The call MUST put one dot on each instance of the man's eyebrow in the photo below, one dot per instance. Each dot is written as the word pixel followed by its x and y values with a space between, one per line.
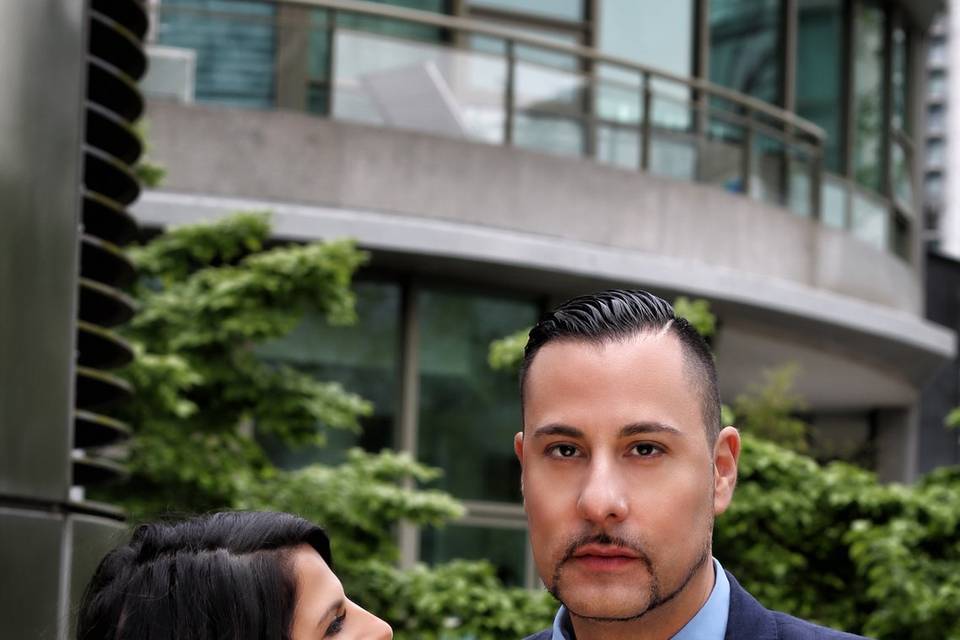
pixel 557 430
pixel 638 428
pixel 331 611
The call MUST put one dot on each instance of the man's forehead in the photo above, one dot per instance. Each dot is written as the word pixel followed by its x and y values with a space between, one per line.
pixel 658 344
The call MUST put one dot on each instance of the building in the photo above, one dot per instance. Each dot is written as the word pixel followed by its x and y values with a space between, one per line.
pixel 934 169
pixel 498 156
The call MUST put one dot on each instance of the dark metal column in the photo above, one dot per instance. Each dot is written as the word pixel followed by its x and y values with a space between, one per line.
pixel 68 71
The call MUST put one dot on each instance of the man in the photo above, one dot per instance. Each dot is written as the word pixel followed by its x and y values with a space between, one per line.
pixel 624 468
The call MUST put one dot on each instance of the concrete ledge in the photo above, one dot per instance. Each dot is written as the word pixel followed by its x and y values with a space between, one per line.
pixel 895 341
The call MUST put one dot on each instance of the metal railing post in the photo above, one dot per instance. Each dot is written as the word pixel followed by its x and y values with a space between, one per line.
pixel 331 62
pixel 816 183
pixel 646 121
pixel 748 138
pixel 509 97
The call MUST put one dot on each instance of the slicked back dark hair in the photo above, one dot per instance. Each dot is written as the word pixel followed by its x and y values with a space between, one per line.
pixel 223 575
pixel 618 314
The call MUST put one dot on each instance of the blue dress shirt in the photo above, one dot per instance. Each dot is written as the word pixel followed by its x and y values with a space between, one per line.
pixel 710 623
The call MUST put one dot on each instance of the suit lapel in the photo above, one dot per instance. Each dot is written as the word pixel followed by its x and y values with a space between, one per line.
pixel 748 620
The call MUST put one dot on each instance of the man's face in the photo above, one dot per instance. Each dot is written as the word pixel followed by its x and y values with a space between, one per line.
pixel 620 485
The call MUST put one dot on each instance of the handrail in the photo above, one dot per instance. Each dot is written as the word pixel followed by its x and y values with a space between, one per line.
pixel 457 23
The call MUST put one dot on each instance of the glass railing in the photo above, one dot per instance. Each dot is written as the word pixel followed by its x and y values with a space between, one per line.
pixel 462 78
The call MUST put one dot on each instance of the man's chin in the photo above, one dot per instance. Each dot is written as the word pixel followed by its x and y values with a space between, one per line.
pixel 610 604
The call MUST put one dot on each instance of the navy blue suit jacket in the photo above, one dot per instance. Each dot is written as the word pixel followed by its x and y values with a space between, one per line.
pixel 749 620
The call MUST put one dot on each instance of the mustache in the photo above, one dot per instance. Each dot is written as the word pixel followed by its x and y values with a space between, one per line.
pixel 606 539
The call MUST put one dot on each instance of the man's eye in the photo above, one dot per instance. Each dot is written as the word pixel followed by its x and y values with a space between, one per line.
pixel 563 451
pixel 646 450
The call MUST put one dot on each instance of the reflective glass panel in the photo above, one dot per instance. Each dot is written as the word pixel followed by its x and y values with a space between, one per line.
pixel 937 84
pixel 936 117
pixel 320 40
pixel 933 184
pixel 869 220
pixel 529 53
pixel 936 152
pixel 563 9
pixel 505 549
pixel 898 81
pixel 235 44
pixel 419 86
pixel 652 33
pixel 868 95
pixel 746 52
pixel 902 174
pixel 833 202
pixel 363 358
pixel 820 72
pixel 468 412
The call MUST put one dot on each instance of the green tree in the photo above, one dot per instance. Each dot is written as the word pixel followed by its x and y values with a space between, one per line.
pixel 208 294
pixel 768 409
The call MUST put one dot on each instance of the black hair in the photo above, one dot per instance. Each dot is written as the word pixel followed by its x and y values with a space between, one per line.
pixel 222 575
pixel 618 314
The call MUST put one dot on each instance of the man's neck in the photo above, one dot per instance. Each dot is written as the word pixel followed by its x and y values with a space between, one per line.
pixel 661 623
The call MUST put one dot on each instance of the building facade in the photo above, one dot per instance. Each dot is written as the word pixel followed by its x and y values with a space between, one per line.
pixel 498 156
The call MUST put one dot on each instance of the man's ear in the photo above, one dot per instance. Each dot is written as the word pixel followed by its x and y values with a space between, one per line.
pixel 726 454
pixel 518 446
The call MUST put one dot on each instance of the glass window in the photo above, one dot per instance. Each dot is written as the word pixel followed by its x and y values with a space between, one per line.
pixel 868 95
pixel 563 9
pixel 869 221
pixel 468 412
pixel 898 81
pixel 653 33
pixel 937 84
pixel 936 152
pixel 936 117
pixel 505 549
pixel 746 51
pixel 319 43
pixel 833 202
pixel 235 45
pixel 820 72
pixel 498 46
pixel 364 358
pixel 933 185
pixel 937 54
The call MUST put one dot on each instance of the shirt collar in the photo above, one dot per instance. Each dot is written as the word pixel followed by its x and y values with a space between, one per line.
pixel 710 623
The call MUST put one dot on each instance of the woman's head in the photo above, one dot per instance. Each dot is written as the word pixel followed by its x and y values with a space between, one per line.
pixel 257 575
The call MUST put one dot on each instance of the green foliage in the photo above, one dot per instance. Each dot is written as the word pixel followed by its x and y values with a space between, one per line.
pixel 506 353
pixel 209 294
pixel 149 173
pixel 952 421
pixel 697 312
pixel 767 409
pixel 832 544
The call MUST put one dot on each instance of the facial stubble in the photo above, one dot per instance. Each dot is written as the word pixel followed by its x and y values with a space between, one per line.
pixel 655 597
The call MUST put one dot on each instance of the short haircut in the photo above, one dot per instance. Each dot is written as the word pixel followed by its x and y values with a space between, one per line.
pixel 618 314
pixel 223 575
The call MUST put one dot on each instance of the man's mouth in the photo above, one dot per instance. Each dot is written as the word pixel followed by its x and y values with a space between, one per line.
pixel 603 557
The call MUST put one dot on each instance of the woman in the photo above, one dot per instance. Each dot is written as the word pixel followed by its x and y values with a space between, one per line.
pixel 232 575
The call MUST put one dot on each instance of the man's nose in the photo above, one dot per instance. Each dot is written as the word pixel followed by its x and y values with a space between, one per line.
pixel 603 498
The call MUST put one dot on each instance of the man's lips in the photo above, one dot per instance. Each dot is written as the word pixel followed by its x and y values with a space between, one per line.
pixel 605 552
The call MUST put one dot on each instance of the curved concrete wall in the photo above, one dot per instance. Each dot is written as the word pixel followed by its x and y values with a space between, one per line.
pixel 297 158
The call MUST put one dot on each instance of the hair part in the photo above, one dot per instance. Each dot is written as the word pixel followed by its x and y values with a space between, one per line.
pixel 620 314
pixel 222 575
